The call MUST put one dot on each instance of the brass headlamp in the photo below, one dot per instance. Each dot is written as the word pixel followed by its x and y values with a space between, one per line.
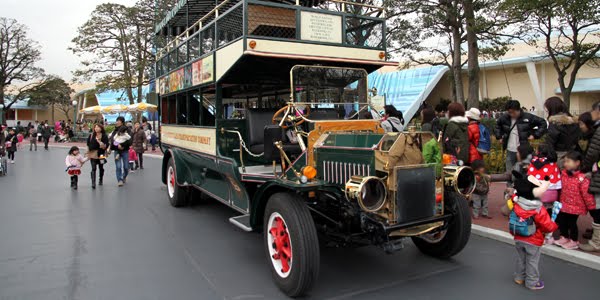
pixel 369 192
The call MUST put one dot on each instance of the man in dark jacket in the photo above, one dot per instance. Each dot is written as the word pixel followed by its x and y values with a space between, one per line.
pixel 517 127
pixel 592 157
pixel 46 134
pixel 120 141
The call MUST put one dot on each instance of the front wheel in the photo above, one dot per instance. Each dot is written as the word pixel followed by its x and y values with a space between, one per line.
pixel 451 241
pixel 177 195
pixel 292 247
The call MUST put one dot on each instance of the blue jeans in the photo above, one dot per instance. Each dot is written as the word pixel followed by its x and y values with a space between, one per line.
pixel 122 162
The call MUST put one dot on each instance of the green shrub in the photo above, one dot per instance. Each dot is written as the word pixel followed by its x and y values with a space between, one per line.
pixel 109 128
pixel 494 104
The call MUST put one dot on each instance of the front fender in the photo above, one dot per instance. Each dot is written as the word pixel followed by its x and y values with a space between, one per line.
pixel 266 190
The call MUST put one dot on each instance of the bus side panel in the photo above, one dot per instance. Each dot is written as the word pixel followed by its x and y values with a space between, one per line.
pixel 238 193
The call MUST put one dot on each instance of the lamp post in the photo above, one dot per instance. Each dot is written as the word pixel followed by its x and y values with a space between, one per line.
pixel 74 115
pixel 1 113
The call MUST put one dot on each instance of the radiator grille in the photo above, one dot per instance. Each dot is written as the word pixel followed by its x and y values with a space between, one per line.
pixel 340 172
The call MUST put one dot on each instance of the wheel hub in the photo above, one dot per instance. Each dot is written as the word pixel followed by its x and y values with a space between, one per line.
pixel 281 248
pixel 171 182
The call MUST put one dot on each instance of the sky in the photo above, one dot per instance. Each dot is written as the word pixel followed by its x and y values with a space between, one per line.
pixel 53 24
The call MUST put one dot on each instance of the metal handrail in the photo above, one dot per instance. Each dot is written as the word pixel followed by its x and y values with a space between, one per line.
pixel 186 33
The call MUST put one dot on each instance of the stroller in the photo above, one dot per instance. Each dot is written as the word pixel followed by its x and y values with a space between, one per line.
pixel 3 161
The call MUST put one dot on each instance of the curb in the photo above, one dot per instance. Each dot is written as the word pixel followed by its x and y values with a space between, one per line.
pixel 575 257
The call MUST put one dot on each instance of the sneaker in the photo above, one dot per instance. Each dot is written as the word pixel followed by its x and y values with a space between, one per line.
pixel 570 245
pixel 561 241
pixel 124 179
pixel 12 161
pixel 538 286
pixel 549 241
pixel 519 281
pixel 475 217
pixel 120 183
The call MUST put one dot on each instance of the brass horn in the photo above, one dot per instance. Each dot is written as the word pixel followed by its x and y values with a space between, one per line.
pixel 460 178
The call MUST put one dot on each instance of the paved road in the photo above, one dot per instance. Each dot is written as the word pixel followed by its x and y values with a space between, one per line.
pixel 128 243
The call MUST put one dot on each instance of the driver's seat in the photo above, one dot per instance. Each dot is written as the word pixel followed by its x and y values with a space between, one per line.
pixel 262 134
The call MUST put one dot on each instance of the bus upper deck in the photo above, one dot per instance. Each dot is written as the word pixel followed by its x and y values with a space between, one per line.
pixel 200 40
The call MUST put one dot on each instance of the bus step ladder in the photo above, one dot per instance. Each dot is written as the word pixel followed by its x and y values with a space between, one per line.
pixel 243 222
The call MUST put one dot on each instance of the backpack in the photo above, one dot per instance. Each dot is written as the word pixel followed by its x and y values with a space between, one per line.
pixel 519 226
pixel 485 141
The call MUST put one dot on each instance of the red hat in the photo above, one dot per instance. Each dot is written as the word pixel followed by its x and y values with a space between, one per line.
pixel 542 169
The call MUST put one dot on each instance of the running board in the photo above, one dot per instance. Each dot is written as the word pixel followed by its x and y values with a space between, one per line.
pixel 242 222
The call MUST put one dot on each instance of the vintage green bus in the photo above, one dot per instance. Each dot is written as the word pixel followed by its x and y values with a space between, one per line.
pixel 265 107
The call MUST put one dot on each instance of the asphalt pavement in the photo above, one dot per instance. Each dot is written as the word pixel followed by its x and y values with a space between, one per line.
pixel 129 243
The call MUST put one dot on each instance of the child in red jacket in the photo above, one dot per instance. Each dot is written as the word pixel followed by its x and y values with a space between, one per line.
pixel 528 209
pixel 575 201
pixel 473 115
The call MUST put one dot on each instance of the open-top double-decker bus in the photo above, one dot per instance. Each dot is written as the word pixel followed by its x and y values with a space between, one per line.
pixel 265 107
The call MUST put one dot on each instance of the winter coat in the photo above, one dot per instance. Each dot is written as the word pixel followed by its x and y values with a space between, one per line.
pixel 125 145
pixel 74 162
pixel 12 138
pixel 525 208
pixel 526 125
pixel 132 155
pixel 473 130
pixel 584 142
pixel 456 138
pixel 482 184
pixel 592 157
pixel 563 133
pixel 138 140
pixel 93 144
pixel 432 155
pixel 574 196
pixel 392 124
pixel 46 131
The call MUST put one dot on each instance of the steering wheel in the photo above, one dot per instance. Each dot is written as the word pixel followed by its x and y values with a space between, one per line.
pixel 291 116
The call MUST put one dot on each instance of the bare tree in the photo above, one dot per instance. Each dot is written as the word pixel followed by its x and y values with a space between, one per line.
pixel 116 43
pixel 566 31
pixel 18 56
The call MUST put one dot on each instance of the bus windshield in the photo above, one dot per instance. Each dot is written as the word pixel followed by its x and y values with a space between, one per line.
pixel 342 89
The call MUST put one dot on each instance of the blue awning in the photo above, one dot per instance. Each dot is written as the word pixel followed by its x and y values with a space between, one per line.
pixel 407 89
pixel 112 97
pixel 23 104
pixel 584 85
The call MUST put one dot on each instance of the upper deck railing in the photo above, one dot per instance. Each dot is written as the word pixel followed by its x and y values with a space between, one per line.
pixel 336 24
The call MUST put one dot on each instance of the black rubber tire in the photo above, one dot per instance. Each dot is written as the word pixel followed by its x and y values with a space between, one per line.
pixel 180 194
pixel 304 241
pixel 458 232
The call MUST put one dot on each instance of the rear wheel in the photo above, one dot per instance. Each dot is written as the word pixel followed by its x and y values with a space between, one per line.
pixel 177 195
pixel 451 241
pixel 292 247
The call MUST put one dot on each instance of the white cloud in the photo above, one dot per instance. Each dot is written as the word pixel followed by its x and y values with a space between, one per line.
pixel 54 23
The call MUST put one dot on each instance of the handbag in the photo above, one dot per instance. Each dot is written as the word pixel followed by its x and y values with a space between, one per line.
pixel 92 154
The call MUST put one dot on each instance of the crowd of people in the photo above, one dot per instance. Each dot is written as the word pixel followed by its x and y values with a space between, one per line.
pixel 563 170
pixel 127 143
